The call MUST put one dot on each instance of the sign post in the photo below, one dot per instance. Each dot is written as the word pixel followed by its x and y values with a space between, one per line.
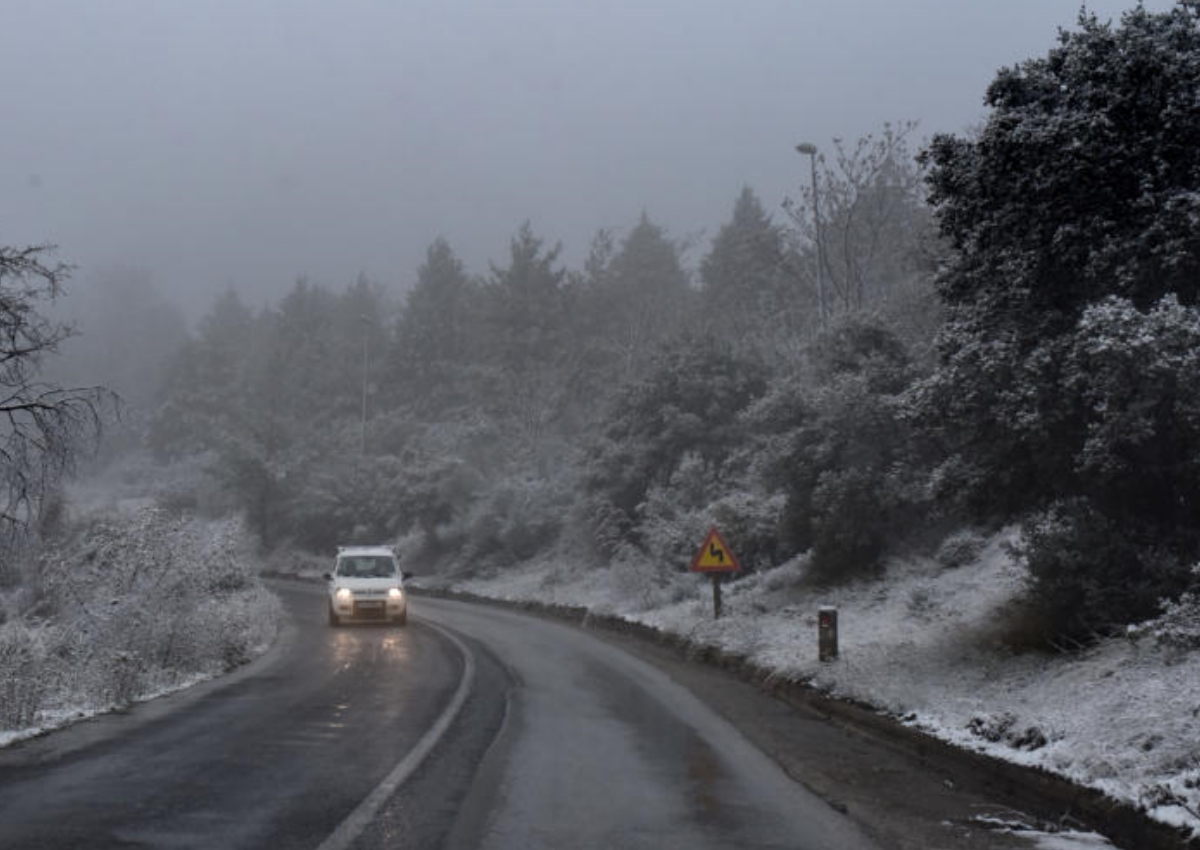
pixel 716 558
pixel 827 633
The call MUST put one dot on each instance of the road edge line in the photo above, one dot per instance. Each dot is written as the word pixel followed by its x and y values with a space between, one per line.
pixel 354 823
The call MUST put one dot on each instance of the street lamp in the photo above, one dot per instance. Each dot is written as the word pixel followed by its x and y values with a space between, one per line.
pixel 363 429
pixel 810 150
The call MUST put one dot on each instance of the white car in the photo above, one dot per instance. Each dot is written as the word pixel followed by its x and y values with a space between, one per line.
pixel 366 585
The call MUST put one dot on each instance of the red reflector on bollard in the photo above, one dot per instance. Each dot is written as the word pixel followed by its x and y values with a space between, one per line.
pixel 827 634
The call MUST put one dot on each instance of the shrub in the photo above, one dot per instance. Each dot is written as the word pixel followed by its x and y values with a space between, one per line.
pixel 850 524
pixel 519 517
pixel 1002 728
pixel 689 405
pixel 1091 574
pixel 125 672
pixel 750 523
pixel 850 472
pixel 103 644
pixel 22 679
pixel 1178 626
pixel 960 548
pixel 600 525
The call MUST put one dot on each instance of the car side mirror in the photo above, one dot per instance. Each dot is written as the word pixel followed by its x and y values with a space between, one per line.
pixel 328 576
pixel 406 575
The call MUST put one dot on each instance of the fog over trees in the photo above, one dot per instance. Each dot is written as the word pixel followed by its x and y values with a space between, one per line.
pixel 1009 335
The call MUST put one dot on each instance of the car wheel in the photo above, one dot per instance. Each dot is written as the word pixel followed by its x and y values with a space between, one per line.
pixel 334 620
pixel 402 620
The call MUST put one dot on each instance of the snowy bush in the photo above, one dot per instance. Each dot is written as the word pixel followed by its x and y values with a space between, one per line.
pixel 786 576
pixel 1134 373
pixel 923 604
pixel 850 528
pixel 289 561
pixel 532 514
pixel 1178 626
pixel 674 518
pixel 690 405
pixel 518 517
pixel 1002 728
pixel 851 474
pixel 645 584
pixel 750 524
pixel 125 676
pixel 960 548
pixel 22 685
pixel 129 606
pixel 1091 574
pixel 595 528
pixel 183 486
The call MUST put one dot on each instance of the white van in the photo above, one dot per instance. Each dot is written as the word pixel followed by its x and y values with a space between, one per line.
pixel 366 585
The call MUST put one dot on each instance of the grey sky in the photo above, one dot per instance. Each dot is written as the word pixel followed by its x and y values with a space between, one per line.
pixel 247 142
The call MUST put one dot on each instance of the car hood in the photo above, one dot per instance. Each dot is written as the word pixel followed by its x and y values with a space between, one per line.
pixel 366 583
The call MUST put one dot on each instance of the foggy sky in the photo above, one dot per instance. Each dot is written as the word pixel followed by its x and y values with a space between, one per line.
pixel 247 142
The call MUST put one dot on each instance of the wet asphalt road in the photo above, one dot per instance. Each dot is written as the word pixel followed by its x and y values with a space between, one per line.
pixel 559 740
pixel 274 756
pixel 599 749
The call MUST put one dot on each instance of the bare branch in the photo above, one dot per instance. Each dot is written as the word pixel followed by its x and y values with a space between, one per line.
pixel 43 427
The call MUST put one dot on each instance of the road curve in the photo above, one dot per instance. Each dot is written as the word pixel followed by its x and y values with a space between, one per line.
pixel 553 739
pixel 600 750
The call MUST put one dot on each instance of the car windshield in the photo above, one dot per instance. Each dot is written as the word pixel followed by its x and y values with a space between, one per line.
pixel 367 566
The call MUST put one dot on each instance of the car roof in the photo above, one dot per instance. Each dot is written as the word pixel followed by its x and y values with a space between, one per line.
pixel 366 550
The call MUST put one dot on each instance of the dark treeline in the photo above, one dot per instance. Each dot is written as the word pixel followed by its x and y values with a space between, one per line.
pixel 1001 330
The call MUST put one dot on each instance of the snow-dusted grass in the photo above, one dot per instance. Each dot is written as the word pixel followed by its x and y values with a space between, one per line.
pixel 1066 839
pixel 923 645
pixel 132 606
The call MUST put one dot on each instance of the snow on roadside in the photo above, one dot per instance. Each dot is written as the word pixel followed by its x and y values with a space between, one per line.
pixel 130 606
pixel 1069 839
pixel 72 712
pixel 923 646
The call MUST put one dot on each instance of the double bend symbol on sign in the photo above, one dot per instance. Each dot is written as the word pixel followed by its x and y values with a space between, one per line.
pixel 715 556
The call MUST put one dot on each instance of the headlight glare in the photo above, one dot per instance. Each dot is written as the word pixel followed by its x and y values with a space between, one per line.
pixel 343 594
pixel 395 593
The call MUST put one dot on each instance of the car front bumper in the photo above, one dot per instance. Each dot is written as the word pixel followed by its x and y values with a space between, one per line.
pixel 369 610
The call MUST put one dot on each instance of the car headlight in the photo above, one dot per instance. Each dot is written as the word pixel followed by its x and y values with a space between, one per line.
pixel 343 594
pixel 395 593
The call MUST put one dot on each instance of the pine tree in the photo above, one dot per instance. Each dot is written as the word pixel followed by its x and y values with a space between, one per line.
pixel 437 334
pixel 748 296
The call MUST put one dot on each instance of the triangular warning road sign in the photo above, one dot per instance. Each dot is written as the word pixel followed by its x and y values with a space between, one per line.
pixel 715 556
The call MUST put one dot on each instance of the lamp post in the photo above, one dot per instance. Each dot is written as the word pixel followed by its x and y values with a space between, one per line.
pixel 810 150
pixel 363 428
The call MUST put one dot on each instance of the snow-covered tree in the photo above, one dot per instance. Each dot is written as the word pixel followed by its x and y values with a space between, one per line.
pixel 836 445
pixel 642 298
pixel 1083 181
pixel 525 303
pixel 203 384
pixel 1064 384
pixel 531 354
pixel 437 334
pixel 273 398
pixel 749 294
pixel 689 404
